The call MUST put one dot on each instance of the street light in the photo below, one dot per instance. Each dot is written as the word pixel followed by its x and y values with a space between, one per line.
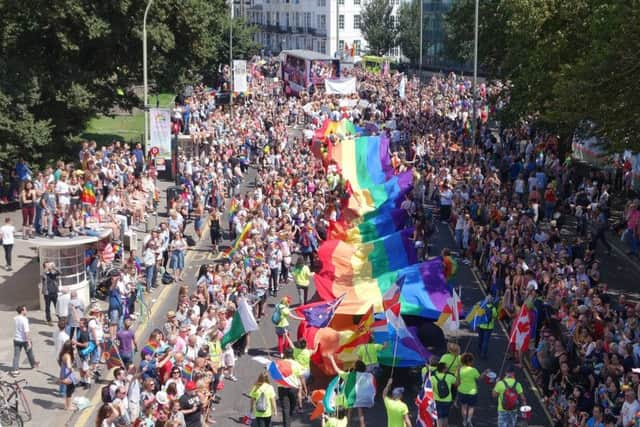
pixel 231 59
pixel 475 74
pixel 144 73
pixel 421 25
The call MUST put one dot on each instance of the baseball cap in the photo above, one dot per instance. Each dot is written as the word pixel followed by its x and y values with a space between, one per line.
pixel 397 392
pixel 190 386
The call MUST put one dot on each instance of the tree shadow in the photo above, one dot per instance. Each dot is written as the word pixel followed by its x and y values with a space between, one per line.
pixel 48 404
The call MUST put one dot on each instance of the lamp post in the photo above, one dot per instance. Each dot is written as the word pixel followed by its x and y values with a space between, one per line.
pixel 421 25
pixel 145 81
pixel 475 74
pixel 231 59
pixel 337 28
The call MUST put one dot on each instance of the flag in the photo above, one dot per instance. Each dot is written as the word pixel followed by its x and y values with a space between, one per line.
pixel 151 347
pixel 282 373
pixel 399 332
pixel 111 356
pixel 242 323
pixel 391 297
pixel 521 330
pixel 478 315
pixel 427 414
pixel 234 207
pixel 360 390
pixel 187 372
pixel 333 391
pixel 319 314
pixel 241 238
pixel 449 319
pixel 402 87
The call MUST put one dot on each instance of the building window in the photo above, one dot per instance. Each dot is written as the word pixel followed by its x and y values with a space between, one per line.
pixel 340 45
pixel 341 2
pixel 357 46
pixel 277 22
pixel 323 46
pixel 322 22
pixel 322 3
pixel 286 19
pixel 356 2
pixel 341 22
pixel 356 22
pixel 268 18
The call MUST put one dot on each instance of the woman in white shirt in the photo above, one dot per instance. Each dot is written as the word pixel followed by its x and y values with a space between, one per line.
pixel 178 248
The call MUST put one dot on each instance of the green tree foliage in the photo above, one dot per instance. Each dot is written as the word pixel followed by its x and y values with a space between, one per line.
pixel 377 26
pixel 64 61
pixel 566 61
pixel 409 30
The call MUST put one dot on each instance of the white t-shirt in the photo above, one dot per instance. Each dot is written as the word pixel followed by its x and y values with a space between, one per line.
pixel 94 325
pixel 22 328
pixel 445 197
pixel 628 411
pixel 61 338
pixel 7 231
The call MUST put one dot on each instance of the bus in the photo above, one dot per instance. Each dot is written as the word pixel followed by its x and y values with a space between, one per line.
pixel 374 63
pixel 306 70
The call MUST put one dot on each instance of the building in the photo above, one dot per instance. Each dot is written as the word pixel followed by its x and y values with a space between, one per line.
pixel 434 34
pixel 324 26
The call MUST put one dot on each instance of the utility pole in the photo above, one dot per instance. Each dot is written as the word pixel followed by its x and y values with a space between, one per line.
pixel 145 81
pixel 421 25
pixel 231 59
pixel 337 28
pixel 475 75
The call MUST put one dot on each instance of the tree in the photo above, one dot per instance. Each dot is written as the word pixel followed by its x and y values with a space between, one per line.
pixel 377 26
pixel 409 30
pixel 62 62
pixel 566 61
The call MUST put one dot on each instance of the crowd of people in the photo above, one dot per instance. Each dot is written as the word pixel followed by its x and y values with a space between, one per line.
pixel 506 195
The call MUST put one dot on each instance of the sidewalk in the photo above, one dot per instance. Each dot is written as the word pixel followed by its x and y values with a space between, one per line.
pixel 20 286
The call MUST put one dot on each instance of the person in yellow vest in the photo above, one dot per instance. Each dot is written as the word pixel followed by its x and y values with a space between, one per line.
pixel 443 383
pixel 397 410
pixel 467 388
pixel 368 354
pixel 302 355
pixel 215 361
pixel 485 329
pixel 302 276
pixel 263 401
pixel 429 368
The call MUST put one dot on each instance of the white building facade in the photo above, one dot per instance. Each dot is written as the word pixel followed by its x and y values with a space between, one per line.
pixel 323 26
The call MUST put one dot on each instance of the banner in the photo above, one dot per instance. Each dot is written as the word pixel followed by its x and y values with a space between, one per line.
pixel 160 132
pixel 240 76
pixel 345 86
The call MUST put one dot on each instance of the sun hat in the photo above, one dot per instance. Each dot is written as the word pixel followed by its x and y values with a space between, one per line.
pixel 162 398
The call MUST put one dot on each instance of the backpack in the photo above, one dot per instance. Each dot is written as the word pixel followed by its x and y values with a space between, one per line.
pixel 167 278
pixel 442 386
pixel 304 240
pixel 261 403
pixel 105 393
pixel 276 317
pixel 510 396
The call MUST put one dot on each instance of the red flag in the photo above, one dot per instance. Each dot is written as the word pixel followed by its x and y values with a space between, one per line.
pixel 521 330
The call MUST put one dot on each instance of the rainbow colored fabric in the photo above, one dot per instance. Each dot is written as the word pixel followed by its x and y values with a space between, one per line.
pixel 386 222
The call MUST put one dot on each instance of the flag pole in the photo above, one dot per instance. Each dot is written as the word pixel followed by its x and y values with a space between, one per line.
pixel 395 350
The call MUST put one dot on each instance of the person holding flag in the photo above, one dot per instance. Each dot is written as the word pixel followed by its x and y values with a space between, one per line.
pixel 397 410
pixel 368 354
pixel 485 325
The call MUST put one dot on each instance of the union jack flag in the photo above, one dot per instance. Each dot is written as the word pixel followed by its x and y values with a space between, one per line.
pixel 427 414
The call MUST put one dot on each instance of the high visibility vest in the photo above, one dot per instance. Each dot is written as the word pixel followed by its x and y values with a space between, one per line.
pixel 493 313
pixel 215 353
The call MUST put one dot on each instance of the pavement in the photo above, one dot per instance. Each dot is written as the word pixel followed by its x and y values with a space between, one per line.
pixel 20 286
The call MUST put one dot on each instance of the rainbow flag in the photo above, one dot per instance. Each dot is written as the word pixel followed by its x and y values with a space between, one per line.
pixel 337 130
pixel 364 159
pixel 151 347
pixel 450 268
pixel 241 238
pixel 424 291
pixel 345 263
pixel 234 207
pixel 386 222
pixel 187 372
pixel 88 194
